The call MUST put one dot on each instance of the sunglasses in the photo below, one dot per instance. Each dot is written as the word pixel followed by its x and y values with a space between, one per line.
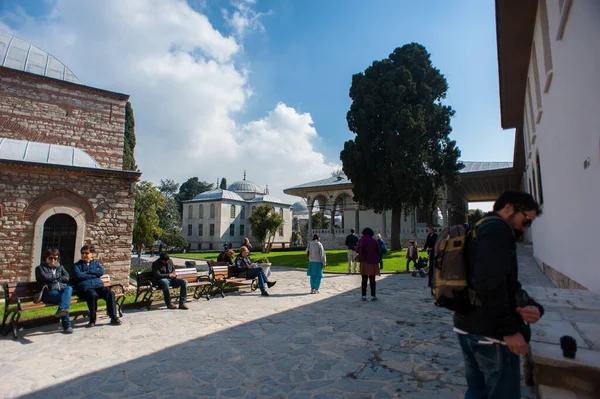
pixel 528 221
pixel 53 257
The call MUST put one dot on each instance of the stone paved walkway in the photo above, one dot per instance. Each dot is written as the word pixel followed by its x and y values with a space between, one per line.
pixel 290 345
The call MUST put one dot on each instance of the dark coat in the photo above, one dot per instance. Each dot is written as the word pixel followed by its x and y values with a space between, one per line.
pixel 241 266
pixel 160 270
pixel 494 276
pixel 87 275
pixel 53 278
pixel 351 241
pixel 430 242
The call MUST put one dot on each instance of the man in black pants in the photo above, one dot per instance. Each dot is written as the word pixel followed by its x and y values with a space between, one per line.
pixel 89 286
pixel 494 331
pixel 164 274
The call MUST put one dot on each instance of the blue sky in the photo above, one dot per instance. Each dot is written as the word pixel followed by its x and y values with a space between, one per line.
pixel 276 77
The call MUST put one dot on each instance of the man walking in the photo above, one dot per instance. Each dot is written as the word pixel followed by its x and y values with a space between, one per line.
pixel 495 330
pixel 351 241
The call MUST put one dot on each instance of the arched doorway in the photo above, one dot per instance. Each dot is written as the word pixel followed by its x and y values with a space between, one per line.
pixel 60 231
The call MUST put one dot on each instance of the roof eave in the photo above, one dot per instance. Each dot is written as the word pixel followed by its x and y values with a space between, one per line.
pixel 515 23
pixel 124 173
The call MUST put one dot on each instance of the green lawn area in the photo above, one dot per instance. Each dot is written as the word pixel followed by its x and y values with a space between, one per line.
pixel 337 260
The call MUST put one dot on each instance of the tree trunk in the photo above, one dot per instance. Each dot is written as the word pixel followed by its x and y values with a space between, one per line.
pixel 396 217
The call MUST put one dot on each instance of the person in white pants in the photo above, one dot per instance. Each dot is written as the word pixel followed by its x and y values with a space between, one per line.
pixel 351 241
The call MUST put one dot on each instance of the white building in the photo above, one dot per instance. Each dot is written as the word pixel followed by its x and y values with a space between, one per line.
pixel 218 216
pixel 549 69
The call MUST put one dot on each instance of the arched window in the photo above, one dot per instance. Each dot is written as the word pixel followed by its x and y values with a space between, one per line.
pixel 232 214
pixel 212 211
pixel 201 211
pixel 539 176
pixel 281 212
pixel 190 212
pixel 242 213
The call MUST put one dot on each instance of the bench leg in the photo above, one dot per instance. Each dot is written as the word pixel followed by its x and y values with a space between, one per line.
pixel 254 285
pixel 5 326
pixel 119 303
pixel 14 323
pixel 218 287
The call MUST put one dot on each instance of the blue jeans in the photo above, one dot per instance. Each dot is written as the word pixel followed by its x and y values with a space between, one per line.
pixel 61 298
pixel 260 274
pixel 492 370
pixel 408 263
pixel 164 285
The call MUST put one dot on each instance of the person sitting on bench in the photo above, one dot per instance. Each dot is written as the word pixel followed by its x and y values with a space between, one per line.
pixel 165 277
pixel 244 265
pixel 53 280
pixel 89 286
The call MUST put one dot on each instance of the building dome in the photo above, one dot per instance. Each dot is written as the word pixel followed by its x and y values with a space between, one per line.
pixel 299 206
pixel 18 54
pixel 217 194
pixel 31 151
pixel 245 186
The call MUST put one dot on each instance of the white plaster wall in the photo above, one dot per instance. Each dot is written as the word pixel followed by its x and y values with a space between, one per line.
pixel 565 237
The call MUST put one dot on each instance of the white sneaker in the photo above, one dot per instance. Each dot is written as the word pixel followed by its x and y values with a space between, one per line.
pixel 312 291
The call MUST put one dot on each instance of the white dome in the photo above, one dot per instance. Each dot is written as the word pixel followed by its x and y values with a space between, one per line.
pixel 245 186
pixel 299 206
pixel 217 195
pixel 18 54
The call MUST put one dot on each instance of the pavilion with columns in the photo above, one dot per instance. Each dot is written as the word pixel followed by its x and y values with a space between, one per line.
pixel 479 181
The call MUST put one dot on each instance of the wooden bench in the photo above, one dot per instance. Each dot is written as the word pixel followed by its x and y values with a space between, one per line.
pixel 221 274
pixel 18 298
pixel 146 285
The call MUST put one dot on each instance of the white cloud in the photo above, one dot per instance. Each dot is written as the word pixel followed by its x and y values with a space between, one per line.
pixel 185 87
pixel 244 18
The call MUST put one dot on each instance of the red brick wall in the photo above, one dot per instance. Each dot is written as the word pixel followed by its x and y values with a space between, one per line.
pixel 108 196
pixel 36 108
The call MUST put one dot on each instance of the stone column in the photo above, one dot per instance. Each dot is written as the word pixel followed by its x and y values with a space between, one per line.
pixel 332 221
pixel 445 213
pixel 310 213
pixel 384 223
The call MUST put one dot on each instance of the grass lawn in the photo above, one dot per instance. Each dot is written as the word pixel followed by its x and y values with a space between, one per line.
pixel 337 260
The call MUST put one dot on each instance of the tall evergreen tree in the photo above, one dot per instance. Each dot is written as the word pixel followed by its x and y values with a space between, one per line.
pixel 129 146
pixel 188 190
pixel 402 153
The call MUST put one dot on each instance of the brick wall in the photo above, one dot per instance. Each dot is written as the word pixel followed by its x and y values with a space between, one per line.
pixel 108 196
pixel 37 108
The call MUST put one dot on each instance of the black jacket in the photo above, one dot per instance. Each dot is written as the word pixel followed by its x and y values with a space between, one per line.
pixel 241 266
pixel 160 270
pixel 351 241
pixel 430 241
pixel 53 278
pixel 87 275
pixel 494 277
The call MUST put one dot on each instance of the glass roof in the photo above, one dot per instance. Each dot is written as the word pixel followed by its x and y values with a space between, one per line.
pixel 18 54
pixel 31 151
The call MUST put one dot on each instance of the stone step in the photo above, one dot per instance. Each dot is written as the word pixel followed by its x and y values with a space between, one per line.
pixel 581 375
pixel 546 392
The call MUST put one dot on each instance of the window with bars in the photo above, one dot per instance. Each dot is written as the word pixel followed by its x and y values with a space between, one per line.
pixel 242 230
pixel 211 230
pixel 212 211
pixel 281 232
pixel 232 212
pixel 242 212
pixel 189 229
pixel 201 211
pixel 190 212
pixel 232 230
pixel 200 230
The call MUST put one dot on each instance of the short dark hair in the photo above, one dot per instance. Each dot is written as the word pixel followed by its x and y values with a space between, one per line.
pixel 520 200
pixel 46 253
pixel 164 256
pixel 352 231
pixel 90 248
pixel 316 237
pixel 367 231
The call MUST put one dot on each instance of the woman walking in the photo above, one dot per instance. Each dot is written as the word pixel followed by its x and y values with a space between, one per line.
pixel 369 255
pixel 316 262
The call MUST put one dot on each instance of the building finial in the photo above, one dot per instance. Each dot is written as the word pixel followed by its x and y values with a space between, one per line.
pixel 267 190
pixel 244 174
pixel 217 186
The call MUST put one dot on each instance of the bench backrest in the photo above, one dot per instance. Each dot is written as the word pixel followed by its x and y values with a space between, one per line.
pixel 144 278
pixel 26 291
pixel 189 274
pixel 219 270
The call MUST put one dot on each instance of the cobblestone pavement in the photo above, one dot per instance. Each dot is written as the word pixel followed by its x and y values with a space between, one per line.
pixel 289 345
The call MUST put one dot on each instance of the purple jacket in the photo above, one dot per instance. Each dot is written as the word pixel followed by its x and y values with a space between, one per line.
pixel 370 248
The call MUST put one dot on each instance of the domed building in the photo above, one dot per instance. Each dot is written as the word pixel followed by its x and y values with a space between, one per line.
pixel 219 216
pixel 61 165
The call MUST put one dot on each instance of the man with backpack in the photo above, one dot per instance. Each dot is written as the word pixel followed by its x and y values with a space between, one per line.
pixel 493 330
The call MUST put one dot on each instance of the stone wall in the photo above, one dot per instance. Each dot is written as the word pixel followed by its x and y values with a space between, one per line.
pixel 36 108
pixel 561 280
pixel 106 195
